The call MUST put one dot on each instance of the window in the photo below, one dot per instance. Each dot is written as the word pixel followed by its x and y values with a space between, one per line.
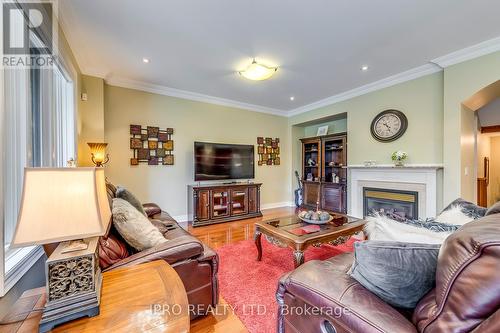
pixel 38 129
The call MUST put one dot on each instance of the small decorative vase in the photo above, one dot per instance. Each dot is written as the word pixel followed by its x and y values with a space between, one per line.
pixel 399 163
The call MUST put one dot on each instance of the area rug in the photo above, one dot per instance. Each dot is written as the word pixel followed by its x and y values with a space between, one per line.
pixel 249 286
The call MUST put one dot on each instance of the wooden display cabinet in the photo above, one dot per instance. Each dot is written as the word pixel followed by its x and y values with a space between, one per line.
pixel 216 203
pixel 323 160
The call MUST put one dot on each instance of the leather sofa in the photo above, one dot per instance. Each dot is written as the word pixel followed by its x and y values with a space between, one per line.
pixel 466 297
pixel 195 262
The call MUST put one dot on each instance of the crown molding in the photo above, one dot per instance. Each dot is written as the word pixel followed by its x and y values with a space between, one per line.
pixel 468 53
pixel 434 66
pixel 172 92
pixel 409 75
pixel 95 73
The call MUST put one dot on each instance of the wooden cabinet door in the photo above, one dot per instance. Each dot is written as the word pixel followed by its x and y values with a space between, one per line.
pixel 252 200
pixel 311 194
pixel 239 201
pixel 203 205
pixel 221 202
pixel 333 198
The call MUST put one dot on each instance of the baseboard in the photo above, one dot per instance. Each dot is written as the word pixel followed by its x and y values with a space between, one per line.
pixel 181 218
pixel 277 205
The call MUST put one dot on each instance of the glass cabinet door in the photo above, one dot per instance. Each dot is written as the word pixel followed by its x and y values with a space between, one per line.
pixel 220 203
pixel 239 202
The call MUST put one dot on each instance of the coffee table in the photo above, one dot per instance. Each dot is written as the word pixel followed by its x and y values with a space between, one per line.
pixel 278 232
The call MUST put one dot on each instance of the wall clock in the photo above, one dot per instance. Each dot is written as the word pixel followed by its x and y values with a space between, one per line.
pixel 389 125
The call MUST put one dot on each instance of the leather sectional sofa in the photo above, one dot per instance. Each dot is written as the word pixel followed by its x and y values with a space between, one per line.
pixel 466 297
pixel 195 262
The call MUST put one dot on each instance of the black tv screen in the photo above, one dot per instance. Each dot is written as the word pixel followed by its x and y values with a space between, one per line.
pixel 221 161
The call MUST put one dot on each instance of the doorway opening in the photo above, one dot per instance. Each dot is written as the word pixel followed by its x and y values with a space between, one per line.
pixel 485 105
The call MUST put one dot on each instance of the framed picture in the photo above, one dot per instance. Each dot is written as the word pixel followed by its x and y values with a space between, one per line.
pixel 153 161
pixel 135 143
pixel 168 145
pixel 322 130
pixel 168 160
pixel 162 136
pixel 152 144
pixel 135 129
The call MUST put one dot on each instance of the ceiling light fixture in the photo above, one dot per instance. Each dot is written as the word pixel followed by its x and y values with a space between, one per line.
pixel 292 98
pixel 258 72
pixel 145 60
pixel 364 68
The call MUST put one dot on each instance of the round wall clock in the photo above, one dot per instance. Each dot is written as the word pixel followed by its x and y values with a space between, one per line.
pixel 389 125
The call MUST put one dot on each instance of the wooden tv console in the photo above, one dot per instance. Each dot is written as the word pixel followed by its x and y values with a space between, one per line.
pixel 216 203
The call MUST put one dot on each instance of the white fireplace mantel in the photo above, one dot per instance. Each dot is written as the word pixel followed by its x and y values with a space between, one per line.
pixel 391 166
pixel 416 177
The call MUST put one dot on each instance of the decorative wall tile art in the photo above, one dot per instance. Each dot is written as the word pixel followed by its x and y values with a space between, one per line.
pixel 268 151
pixel 151 145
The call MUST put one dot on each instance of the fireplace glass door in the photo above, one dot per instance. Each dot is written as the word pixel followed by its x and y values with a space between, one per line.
pixel 393 203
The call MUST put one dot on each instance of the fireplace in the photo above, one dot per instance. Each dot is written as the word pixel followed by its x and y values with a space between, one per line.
pixel 400 203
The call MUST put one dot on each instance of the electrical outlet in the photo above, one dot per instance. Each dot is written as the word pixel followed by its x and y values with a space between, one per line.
pixel 466 171
pixel 84 97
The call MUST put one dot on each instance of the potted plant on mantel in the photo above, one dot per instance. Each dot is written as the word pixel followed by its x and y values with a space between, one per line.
pixel 399 157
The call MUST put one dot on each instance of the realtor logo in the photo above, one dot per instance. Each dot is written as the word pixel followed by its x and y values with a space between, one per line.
pixel 28 34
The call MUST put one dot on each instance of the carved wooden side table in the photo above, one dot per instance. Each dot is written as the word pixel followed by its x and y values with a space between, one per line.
pixel 145 298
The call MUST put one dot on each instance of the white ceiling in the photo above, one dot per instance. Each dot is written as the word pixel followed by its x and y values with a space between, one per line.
pixel 197 46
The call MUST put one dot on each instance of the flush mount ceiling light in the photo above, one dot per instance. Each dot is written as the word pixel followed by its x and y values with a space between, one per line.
pixel 145 60
pixel 364 68
pixel 258 72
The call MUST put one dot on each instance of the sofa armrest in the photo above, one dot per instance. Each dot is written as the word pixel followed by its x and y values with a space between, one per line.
pixel 174 250
pixel 151 209
pixel 326 286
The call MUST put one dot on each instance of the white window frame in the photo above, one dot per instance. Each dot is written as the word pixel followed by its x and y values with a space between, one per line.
pixel 14 263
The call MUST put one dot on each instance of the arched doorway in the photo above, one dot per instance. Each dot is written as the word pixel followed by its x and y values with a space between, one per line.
pixel 481 142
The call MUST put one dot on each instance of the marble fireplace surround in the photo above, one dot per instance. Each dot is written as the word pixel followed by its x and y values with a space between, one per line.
pixel 419 178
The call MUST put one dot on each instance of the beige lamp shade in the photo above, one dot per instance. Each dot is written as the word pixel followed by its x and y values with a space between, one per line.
pixel 61 204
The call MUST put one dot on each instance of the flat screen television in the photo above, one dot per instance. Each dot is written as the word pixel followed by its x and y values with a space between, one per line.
pixel 222 161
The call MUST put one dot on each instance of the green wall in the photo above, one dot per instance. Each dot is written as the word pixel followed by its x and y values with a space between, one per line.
pixel 461 81
pixel 334 126
pixel 91 111
pixel 420 99
pixel 192 121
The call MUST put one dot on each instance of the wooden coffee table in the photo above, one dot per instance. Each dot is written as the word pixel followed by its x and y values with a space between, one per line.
pixel 278 233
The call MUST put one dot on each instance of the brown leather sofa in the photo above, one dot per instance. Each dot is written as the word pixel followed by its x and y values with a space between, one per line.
pixel 195 262
pixel 466 297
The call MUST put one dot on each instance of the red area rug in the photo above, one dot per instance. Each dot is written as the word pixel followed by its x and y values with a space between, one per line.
pixel 250 286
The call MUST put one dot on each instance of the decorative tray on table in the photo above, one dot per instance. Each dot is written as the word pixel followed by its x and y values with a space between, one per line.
pixel 317 217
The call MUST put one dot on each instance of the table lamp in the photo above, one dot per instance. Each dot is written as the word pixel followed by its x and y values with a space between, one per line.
pixel 67 205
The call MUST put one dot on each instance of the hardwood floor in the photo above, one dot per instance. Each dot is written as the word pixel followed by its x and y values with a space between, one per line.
pixel 218 235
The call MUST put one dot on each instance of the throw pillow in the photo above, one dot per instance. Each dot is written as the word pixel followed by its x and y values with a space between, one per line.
pixel 134 227
pixel 495 209
pixel 383 228
pixel 399 273
pixel 111 251
pixel 454 216
pixel 468 208
pixel 123 193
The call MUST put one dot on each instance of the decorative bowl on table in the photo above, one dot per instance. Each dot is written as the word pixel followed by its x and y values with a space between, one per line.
pixel 317 217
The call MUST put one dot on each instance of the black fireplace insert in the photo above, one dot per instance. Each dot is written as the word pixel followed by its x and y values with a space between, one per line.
pixel 394 203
